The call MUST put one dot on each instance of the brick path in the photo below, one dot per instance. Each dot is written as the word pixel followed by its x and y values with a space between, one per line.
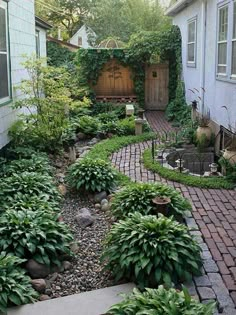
pixel 214 210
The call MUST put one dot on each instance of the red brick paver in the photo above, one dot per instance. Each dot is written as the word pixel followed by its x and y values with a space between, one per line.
pixel 213 209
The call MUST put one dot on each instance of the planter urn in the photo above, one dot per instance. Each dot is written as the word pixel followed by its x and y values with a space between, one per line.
pixel 161 204
pixel 204 131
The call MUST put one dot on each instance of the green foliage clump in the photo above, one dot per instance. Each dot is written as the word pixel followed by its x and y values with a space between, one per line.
pixel 58 56
pixel 138 197
pixel 15 285
pixel 230 169
pixel 151 251
pixel 161 302
pixel 186 179
pixel 34 234
pixel 88 125
pixel 92 175
pixel 27 183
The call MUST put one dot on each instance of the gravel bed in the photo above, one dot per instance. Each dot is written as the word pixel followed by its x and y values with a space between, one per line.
pixel 86 273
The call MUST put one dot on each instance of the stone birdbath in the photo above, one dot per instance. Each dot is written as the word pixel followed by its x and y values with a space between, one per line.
pixel 161 204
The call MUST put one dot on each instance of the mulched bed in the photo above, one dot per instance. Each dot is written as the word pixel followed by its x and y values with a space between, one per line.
pixel 86 273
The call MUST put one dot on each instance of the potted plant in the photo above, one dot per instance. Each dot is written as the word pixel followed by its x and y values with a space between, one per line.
pixel 230 151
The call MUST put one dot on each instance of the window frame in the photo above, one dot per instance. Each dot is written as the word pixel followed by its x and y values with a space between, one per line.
pixel 192 63
pixel 7 99
pixel 37 43
pixel 218 42
pixel 233 40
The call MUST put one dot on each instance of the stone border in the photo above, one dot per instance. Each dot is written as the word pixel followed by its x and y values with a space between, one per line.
pixel 210 285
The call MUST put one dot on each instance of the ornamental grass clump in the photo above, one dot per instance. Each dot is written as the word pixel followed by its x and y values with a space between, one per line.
pixel 138 197
pixel 15 287
pixel 161 302
pixel 151 251
pixel 93 175
pixel 34 234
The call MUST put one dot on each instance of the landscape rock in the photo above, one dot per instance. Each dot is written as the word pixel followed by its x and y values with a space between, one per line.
pixel 39 285
pixel 105 207
pixel 53 277
pixel 100 196
pixel 74 248
pixel 44 297
pixel 60 177
pixel 62 189
pixel 36 270
pixel 84 218
pixel 81 136
pixel 97 206
pixel 104 202
pixel 66 265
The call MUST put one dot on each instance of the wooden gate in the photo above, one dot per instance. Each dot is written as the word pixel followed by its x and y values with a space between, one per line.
pixel 156 86
pixel 115 81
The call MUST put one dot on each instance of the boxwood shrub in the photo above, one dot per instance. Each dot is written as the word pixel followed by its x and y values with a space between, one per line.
pixel 92 175
pixel 138 197
pixel 151 251
pixel 160 302
pixel 34 234
pixel 15 287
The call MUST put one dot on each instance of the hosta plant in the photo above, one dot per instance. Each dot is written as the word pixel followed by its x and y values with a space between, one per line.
pixel 161 302
pixel 151 251
pixel 15 287
pixel 92 175
pixel 138 197
pixel 27 183
pixel 34 234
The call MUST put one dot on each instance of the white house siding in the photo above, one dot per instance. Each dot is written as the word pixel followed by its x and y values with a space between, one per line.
pixel 218 93
pixel 83 33
pixel 22 41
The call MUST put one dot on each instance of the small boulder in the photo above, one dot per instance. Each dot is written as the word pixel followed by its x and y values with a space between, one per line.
pixel 44 297
pixel 104 202
pixel 60 177
pixel 97 206
pixel 81 136
pixel 67 265
pixel 74 248
pixel 62 189
pixel 39 285
pixel 100 196
pixel 84 218
pixel 37 270
pixel 105 207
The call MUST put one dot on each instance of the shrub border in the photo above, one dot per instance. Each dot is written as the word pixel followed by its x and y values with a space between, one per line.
pixel 190 180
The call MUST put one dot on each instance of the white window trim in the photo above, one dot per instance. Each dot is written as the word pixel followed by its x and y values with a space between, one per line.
pixel 4 6
pixel 192 63
pixel 219 74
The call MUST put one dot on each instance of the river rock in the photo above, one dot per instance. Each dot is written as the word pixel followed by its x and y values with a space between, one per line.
pixel 100 196
pixel 44 297
pixel 37 270
pixel 74 248
pixel 97 206
pixel 62 189
pixel 67 265
pixel 104 202
pixel 105 207
pixel 84 218
pixel 39 285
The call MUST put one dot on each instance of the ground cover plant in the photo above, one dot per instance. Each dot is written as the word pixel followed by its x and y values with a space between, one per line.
pixel 138 197
pixel 151 251
pixel 161 302
pixel 92 175
pixel 15 285
pixel 190 180
pixel 27 183
pixel 34 234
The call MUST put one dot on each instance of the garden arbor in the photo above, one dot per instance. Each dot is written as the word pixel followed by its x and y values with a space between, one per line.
pixel 146 70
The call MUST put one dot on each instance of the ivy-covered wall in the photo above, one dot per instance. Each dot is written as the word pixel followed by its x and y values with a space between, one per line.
pixel 144 48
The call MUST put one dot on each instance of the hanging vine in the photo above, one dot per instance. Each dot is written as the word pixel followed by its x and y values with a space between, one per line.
pixel 144 48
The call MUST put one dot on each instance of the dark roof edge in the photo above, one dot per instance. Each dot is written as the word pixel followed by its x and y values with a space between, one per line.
pixel 41 23
pixel 58 41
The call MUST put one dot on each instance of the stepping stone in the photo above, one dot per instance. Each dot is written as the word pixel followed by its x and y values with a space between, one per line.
pixel 88 303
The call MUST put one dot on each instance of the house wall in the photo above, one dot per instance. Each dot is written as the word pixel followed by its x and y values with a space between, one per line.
pixel 82 32
pixel 218 92
pixel 22 41
pixel 42 41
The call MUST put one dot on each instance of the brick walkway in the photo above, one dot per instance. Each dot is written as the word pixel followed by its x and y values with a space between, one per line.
pixel 214 210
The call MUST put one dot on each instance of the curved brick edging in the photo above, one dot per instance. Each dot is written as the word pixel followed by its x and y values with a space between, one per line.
pixel 213 218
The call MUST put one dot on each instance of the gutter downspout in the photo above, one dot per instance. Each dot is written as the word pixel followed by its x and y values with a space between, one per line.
pixel 203 54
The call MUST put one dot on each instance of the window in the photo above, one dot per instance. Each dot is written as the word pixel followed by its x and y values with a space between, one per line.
pixel 192 34
pixel 80 41
pixel 4 58
pixel 222 41
pixel 233 70
pixel 37 39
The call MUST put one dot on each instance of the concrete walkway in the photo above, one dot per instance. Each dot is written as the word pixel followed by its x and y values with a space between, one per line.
pixel 214 210
pixel 89 303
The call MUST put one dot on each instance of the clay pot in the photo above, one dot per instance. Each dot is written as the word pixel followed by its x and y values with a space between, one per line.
pixel 204 131
pixel 161 204
pixel 230 155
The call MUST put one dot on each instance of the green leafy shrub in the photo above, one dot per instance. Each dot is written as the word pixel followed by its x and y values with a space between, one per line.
pixel 15 285
pixel 127 126
pixel 105 118
pixel 161 302
pixel 100 108
pixel 138 197
pixel 38 164
pixel 230 169
pixel 151 251
pixel 34 234
pixel 92 175
pixel 111 127
pixel 27 183
pixel 88 125
pixel 57 55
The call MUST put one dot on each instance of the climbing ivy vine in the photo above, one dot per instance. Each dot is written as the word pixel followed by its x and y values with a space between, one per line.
pixel 144 48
